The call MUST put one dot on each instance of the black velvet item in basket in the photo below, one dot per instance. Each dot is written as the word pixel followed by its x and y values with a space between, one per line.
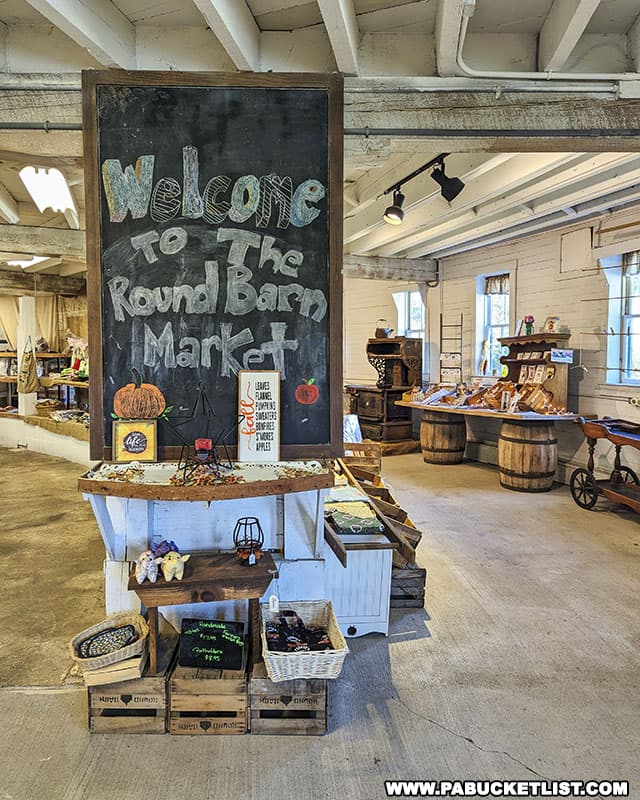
pixel 107 641
pixel 289 634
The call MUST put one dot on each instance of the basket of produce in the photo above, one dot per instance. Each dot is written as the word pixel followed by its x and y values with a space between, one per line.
pixel 45 407
pixel 302 640
pixel 116 638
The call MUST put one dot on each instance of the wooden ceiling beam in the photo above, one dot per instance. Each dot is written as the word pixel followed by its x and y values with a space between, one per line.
pixel 97 25
pixel 30 284
pixel 340 21
pixel 564 187
pixel 233 25
pixel 448 21
pixel 39 241
pixel 8 206
pixel 389 269
pixel 565 23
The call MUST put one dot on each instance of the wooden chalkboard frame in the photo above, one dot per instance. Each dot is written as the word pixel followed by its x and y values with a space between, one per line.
pixel 333 83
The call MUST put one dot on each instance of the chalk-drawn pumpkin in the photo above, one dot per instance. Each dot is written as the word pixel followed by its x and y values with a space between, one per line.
pixel 138 400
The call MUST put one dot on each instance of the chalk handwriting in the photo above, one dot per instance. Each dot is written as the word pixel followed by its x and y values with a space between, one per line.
pixel 131 190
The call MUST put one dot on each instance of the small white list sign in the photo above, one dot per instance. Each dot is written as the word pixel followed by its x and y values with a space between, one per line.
pixel 259 409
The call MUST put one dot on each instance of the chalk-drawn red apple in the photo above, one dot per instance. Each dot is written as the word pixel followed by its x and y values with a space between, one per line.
pixel 307 393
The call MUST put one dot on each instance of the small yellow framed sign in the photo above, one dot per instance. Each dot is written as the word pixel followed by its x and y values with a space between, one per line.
pixel 135 440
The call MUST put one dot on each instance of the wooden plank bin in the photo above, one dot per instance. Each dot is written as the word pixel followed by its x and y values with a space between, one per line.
pixel 207 701
pixel 288 708
pixel 407 587
pixel 135 706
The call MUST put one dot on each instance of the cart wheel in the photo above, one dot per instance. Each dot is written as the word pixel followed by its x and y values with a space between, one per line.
pixel 584 489
pixel 627 475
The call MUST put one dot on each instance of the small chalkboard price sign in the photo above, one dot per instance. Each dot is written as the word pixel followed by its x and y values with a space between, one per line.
pixel 214 644
pixel 214 245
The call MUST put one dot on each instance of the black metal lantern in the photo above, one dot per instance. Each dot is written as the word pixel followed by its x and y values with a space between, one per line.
pixel 248 539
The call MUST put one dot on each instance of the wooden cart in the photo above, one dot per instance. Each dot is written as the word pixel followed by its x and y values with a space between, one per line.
pixel 623 485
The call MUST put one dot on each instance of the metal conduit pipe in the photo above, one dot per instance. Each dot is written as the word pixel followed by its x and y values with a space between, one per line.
pixel 470 72
pixel 462 133
pixel 456 133
pixel 413 85
pixel 40 126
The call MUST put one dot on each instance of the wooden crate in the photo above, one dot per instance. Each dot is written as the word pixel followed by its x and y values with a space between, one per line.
pixel 288 708
pixel 207 701
pixel 407 587
pixel 135 706
pixel 363 454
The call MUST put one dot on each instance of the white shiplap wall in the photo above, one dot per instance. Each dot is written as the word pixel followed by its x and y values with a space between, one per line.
pixel 579 298
pixel 365 302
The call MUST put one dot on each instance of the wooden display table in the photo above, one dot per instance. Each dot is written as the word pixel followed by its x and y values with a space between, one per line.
pixel 207 578
pixel 527 445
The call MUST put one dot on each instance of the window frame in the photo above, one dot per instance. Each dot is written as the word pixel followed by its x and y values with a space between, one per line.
pixel 618 349
pixel 483 325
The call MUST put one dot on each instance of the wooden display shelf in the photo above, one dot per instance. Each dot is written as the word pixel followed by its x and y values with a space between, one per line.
pixel 535 338
pixel 161 491
pixel 48 382
pixel 207 579
pixel 14 354
pixel 8 378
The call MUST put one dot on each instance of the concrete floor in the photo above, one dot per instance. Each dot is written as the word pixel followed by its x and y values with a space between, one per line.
pixel 524 664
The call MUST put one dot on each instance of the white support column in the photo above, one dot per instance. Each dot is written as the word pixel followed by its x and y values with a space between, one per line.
pixel 26 328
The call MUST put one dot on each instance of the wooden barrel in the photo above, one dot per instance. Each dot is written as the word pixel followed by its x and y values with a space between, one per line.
pixel 527 455
pixel 442 437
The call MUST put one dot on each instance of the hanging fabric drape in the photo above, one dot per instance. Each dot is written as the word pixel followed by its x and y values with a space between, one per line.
pixel 9 319
pixel 497 284
pixel 47 320
pixel 631 263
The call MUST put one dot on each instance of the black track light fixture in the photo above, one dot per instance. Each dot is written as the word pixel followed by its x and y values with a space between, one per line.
pixel 450 188
pixel 394 213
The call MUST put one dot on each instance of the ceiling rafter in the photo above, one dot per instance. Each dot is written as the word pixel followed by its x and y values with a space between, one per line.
pixel 8 206
pixel 339 19
pixel 565 23
pixel 96 25
pixel 483 201
pixel 448 19
pixel 233 25
pixel 611 183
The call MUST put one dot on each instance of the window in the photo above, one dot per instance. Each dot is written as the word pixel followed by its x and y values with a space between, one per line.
pixel 410 314
pixel 623 343
pixel 494 311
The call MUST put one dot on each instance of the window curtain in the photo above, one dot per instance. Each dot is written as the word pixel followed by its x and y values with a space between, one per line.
pixel 631 263
pixel 9 319
pixel 497 284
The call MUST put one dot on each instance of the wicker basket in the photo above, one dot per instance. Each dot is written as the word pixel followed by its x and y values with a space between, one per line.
pixel 321 664
pixel 45 407
pixel 113 621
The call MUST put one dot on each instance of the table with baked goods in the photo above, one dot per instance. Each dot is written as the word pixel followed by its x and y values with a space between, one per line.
pixel 527 444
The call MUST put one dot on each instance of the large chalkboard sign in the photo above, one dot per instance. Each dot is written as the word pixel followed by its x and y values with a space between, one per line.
pixel 214 245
